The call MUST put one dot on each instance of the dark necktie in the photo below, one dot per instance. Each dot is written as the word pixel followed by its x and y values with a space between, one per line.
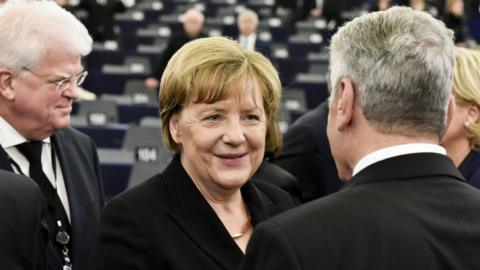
pixel 33 152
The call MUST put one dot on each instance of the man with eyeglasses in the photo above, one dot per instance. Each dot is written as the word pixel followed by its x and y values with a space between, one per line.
pixel 40 71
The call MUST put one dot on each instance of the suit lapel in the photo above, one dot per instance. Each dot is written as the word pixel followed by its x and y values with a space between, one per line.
pixel 78 196
pixel 4 163
pixel 406 167
pixel 197 219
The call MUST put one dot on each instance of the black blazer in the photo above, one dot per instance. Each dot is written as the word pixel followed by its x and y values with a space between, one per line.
pixel 23 231
pixel 166 223
pixel 408 212
pixel 79 162
pixel 275 175
pixel 306 154
pixel 470 168
pixel 100 21
pixel 261 47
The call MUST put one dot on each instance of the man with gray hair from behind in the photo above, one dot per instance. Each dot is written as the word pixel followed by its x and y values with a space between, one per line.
pixel 40 71
pixel 404 205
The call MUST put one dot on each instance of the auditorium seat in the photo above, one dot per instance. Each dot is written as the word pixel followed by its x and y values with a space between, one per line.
pixel 98 112
pixel 139 93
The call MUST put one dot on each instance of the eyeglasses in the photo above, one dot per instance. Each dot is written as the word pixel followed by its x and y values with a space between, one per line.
pixel 63 84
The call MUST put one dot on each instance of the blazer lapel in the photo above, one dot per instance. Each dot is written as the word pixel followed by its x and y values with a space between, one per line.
pixel 4 163
pixel 76 191
pixel 196 218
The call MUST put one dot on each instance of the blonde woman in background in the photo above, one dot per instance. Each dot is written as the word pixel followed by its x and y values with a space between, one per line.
pixel 463 135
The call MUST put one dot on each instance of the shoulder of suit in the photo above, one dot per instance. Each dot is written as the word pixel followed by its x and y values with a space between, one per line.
pixel 17 184
pixel 272 193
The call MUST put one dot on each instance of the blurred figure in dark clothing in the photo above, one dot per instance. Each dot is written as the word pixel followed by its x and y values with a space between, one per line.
pixel 306 155
pixel 381 5
pixel 434 7
pixel 330 9
pixel 455 20
pixel 100 16
pixel 192 29
pixel 289 11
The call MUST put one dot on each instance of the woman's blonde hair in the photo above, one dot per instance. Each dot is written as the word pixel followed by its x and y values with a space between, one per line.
pixel 212 69
pixel 466 86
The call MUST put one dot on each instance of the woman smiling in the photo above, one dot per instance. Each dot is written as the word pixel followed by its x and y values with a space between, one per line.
pixel 218 105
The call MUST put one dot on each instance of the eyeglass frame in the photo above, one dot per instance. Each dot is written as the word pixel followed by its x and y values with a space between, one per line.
pixel 79 79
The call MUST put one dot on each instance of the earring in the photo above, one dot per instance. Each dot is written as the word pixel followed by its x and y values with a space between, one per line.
pixel 466 124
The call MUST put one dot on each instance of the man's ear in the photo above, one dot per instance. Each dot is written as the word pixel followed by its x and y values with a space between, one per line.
pixel 450 112
pixel 6 84
pixel 174 129
pixel 345 103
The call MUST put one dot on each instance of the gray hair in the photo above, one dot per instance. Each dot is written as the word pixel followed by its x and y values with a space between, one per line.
pixel 249 14
pixel 30 28
pixel 401 63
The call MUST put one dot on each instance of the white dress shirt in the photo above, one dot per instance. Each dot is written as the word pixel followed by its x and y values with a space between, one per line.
pixel 248 42
pixel 397 150
pixel 9 138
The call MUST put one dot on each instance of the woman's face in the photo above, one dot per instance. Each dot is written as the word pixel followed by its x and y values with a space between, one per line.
pixel 222 144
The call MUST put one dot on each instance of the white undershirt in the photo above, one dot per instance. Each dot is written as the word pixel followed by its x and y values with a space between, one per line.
pixel 248 42
pixel 10 137
pixel 397 150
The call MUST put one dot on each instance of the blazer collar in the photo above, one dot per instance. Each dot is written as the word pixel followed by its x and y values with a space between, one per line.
pixel 406 167
pixel 191 211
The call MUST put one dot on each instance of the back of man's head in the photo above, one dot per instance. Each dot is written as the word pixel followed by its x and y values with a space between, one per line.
pixel 401 63
pixel 30 28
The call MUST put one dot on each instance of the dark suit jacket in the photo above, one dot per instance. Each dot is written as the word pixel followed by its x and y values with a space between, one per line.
pixel 332 9
pixel 263 48
pixel 100 21
pixel 408 212
pixel 306 154
pixel 79 162
pixel 470 168
pixel 275 175
pixel 260 46
pixel 166 223
pixel 23 231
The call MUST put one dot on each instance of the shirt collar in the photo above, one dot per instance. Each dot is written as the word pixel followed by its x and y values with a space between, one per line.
pixel 10 137
pixel 397 150
pixel 251 36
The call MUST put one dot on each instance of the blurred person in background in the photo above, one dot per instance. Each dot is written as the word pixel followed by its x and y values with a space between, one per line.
pixel 434 7
pixel 247 22
pixel 306 155
pixel 100 22
pixel 192 29
pixel 381 5
pixel 331 10
pixel 455 19
pixel 462 138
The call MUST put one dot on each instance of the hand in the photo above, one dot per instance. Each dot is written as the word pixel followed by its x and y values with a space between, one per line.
pixel 316 12
pixel 151 83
